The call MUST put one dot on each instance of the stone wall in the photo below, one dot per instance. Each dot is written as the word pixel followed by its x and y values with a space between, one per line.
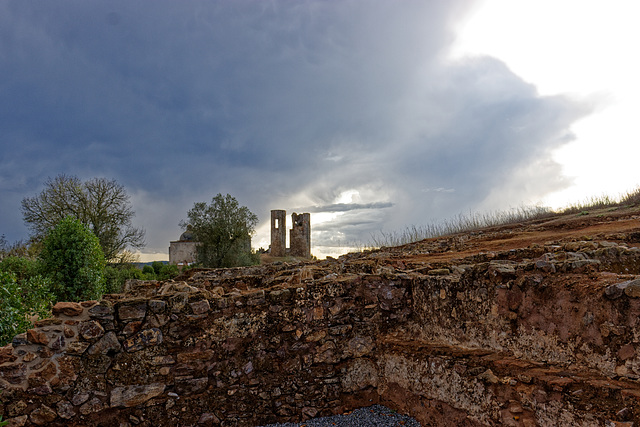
pixel 546 335
pixel 186 356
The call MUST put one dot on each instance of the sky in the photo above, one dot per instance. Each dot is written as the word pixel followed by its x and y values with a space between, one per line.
pixel 371 115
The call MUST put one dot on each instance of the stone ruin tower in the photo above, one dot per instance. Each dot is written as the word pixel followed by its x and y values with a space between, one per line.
pixel 278 233
pixel 299 236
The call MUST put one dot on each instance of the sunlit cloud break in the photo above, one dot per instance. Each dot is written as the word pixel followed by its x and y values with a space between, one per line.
pixel 345 207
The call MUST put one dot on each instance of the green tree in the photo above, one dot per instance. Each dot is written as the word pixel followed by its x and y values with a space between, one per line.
pixel 98 203
pixel 223 230
pixel 71 256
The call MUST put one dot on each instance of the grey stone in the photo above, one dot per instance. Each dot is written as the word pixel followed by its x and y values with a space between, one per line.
pixel 65 410
pixel 632 288
pixel 94 405
pixel 131 312
pixel 613 291
pixel 20 339
pixel 101 312
pixel 80 398
pixel 200 307
pixel 109 342
pixel 157 306
pixel 208 419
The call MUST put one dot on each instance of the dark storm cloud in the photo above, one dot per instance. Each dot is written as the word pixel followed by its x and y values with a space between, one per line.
pixel 278 103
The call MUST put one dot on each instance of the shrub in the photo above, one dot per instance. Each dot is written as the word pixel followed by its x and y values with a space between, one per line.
pixel 20 301
pixel 22 267
pixel 71 256
pixel 148 270
pixel 168 271
pixel 117 274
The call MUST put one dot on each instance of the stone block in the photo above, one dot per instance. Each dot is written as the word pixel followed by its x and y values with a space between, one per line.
pixel 103 312
pixel 65 410
pixel 93 405
pixel 108 343
pixel 77 347
pixel 134 395
pixel 16 408
pixel 200 307
pixel 146 338
pixel 43 415
pixel 58 343
pixel 37 337
pixel 6 354
pixel 70 309
pixel 132 327
pixel 132 312
pixel 14 373
pixel 157 306
pixel 627 351
pixel 632 288
pixel 90 330
pixel 17 421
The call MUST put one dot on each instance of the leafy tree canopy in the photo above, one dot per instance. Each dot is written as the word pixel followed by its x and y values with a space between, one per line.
pixel 223 230
pixel 71 256
pixel 98 203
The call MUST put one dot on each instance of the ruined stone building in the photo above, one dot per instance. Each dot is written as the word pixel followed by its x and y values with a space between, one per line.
pixel 299 235
pixel 183 251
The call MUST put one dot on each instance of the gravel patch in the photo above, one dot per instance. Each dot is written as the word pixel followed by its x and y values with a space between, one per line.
pixel 373 416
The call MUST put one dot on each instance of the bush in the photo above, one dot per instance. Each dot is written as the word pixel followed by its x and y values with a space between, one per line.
pixel 71 256
pixel 117 274
pixel 148 270
pixel 22 267
pixel 168 271
pixel 20 301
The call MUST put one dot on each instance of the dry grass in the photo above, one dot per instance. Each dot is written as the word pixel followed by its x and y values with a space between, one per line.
pixel 474 221
pixel 630 198
pixel 459 224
